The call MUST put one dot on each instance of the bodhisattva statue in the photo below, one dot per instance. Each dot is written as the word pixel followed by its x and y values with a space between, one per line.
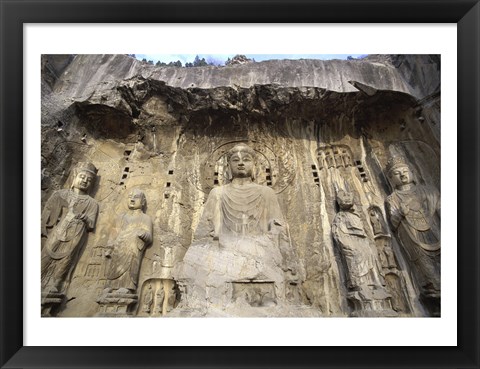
pixel 67 217
pixel 133 235
pixel 241 237
pixel 414 212
pixel 360 255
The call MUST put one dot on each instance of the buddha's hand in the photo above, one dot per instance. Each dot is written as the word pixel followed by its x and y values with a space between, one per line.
pixel 404 209
pixel 108 251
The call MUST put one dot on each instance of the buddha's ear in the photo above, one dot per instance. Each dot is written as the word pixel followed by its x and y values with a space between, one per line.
pixel 254 170
pixel 228 173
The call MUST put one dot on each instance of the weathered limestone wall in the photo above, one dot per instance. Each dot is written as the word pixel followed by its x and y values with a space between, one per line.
pixel 165 130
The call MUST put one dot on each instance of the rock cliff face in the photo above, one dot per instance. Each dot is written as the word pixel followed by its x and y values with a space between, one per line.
pixel 317 127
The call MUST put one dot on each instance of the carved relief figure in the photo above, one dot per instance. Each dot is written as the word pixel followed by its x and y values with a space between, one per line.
pixel 360 256
pixel 364 281
pixel 338 158
pixel 347 159
pixel 329 158
pixel 375 221
pixel 67 217
pixel 134 235
pixel 148 299
pixel 241 235
pixel 159 299
pixel 414 212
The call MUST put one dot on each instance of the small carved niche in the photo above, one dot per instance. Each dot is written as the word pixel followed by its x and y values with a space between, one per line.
pixel 316 178
pixel 126 154
pixel 158 297
pixel 256 294
pixel 361 170
pixel 334 156
pixel 268 177
pixel 125 173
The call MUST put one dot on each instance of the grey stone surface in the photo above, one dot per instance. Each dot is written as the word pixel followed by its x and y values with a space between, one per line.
pixel 315 127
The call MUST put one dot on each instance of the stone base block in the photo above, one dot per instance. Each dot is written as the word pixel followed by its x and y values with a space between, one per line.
pixel 116 304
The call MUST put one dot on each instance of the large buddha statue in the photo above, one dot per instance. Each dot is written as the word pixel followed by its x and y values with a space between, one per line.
pixel 241 239
pixel 414 212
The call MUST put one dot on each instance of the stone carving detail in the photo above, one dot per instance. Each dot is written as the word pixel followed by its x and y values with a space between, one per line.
pixel 334 156
pixel 241 238
pixel 312 133
pixel 66 218
pixel 365 283
pixel 254 294
pixel 394 279
pixel 132 235
pixel 414 212
pixel 275 171
pixel 158 297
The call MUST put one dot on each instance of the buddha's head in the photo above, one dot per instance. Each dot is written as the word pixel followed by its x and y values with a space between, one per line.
pixel 344 199
pixel 85 175
pixel 136 199
pixel 399 172
pixel 241 161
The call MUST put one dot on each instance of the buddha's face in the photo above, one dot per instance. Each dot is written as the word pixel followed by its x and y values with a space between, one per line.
pixel 241 164
pixel 136 200
pixel 83 181
pixel 345 199
pixel 401 175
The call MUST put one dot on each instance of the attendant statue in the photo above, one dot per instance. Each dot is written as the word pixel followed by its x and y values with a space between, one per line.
pixel 360 255
pixel 414 212
pixel 66 218
pixel 133 235
pixel 241 237
pixel 365 283
pixel 148 299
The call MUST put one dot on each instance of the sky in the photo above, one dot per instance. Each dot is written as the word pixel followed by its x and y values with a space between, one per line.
pixel 221 58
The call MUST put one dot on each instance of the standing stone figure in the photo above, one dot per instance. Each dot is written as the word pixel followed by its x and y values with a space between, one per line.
pixel 134 235
pixel 365 284
pixel 359 254
pixel 148 299
pixel 241 236
pixel 67 217
pixel 414 212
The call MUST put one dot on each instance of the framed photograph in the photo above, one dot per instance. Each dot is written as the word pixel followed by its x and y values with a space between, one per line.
pixel 206 163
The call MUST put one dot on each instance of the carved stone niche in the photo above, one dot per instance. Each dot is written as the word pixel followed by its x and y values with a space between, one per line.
pixel 334 156
pixel 157 298
pixel 256 294
pixel 271 170
pixel 116 304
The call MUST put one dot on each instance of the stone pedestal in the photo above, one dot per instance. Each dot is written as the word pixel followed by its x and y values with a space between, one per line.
pixel 116 304
pixel 51 301
pixel 371 303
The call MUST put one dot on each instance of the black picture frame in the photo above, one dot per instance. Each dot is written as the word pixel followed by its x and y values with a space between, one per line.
pixel 465 13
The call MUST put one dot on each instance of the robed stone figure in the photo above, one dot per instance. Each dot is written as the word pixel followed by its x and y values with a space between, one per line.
pixel 241 237
pixel 414 212
pixel 133 233
pixel 66 218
